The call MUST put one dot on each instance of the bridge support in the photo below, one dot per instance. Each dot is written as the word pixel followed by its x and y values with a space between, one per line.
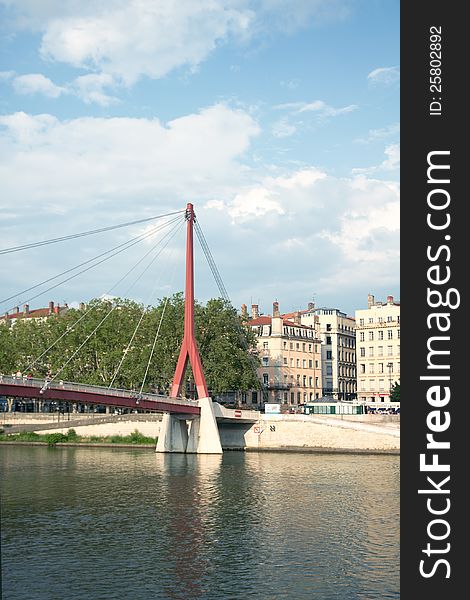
pixel 202 433
pixel 199 435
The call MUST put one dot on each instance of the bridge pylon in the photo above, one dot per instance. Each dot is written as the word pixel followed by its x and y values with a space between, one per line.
pixel 198 434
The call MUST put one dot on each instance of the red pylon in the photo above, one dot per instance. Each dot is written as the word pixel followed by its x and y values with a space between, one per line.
pixel 189 349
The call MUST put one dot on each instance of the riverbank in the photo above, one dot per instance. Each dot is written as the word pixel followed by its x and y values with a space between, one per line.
pixel 366 434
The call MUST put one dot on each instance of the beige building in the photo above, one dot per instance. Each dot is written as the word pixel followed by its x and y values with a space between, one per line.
pixel 338 350
pixel 290 354
pixel 378 349
pixel 37 313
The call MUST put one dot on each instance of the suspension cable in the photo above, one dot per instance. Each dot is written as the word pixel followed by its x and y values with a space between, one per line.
pixel 69 329
pixel 84 233
pixel 225 296
pixel 126 350
pixel 112 253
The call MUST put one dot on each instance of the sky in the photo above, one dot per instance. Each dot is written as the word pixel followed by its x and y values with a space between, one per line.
pixel 277 119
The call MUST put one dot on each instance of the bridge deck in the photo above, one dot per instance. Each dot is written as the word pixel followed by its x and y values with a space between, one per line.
pixel 23 387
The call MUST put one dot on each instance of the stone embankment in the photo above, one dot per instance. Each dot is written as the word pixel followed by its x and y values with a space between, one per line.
pixel 323 433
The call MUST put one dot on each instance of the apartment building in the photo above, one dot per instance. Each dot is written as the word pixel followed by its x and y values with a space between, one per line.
pixel 338 350
pixel 11 318
pixel 378 349
pixel 290 354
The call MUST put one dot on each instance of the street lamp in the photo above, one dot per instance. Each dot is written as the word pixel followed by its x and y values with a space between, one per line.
pixel 390 367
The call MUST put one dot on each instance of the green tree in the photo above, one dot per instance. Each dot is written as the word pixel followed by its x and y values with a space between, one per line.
pixel 395 392
pixel 121 343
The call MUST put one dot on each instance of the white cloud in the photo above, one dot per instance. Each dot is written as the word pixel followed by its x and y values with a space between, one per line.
pixel 384 76
pixel 379 134
pixel 391 163
pixel 90 88
pixel 283 128
pixel 81 160
pixel 131 39
pixel 36 83
pixel 319 107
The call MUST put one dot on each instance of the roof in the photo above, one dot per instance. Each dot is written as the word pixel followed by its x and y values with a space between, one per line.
pixel 266 320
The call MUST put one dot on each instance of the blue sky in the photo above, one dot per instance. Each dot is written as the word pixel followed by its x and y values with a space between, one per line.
pixel 278 119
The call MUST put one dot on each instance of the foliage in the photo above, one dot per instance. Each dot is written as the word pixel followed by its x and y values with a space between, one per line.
pixel 395 392
pixel 54 438
pixel 101 345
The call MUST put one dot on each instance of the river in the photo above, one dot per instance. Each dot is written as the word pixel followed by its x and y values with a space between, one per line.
pixel 130 524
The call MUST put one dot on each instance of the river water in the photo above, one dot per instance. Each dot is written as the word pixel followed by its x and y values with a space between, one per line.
pixel 125 524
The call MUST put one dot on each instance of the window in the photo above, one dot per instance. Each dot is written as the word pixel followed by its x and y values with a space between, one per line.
pixel 304 363
pixel 363 385
pixel 310 381
pixel 265 345
pixel 265 378
pixel 381 334
pixel 329 354
pixel 389 319
pixel 328 340
pixel 371 350
pixel 316 381
pixel 285 345
pixel 389 350
pixel 328 326
pixel 362 351
pixel 291 345
pixel 361 321
pixel 310 347
pixel 361 336
pixel 371 367
pixel 310 363
pixel 285 360
pixel 371 319
pixel 362 368
pixel 292 397
pixel 297 362
pixel 291 362
pixel 303 347
pixel 316 364
pixel 381 367
pixel 389 334
pixel 371 335
pixel 398 333
pixel 380 351
pixel 265 361
pixel 304 380
pixel 381 385
pixel 297 346
pixel 298 397
pixel 372 384
pixel 380 319
pixel 329 369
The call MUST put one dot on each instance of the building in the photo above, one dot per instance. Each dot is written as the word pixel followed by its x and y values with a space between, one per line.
pixel 378 349
pixel 338 350
pixel 10 319
pixel 290 354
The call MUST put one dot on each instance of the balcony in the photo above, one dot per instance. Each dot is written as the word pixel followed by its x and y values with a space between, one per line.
pixel 274 385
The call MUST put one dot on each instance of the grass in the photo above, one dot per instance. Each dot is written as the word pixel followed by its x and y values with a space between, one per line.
pixel 51 439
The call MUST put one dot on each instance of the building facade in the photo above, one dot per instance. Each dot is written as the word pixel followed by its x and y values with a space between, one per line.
pixel 290 353
pixel 11 318
pixel 378 349
pixel 338 350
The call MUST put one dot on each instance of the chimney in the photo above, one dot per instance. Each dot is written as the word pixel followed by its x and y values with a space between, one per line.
pixel 297 320
pixel 51 307
pixel 276 309
pixel 370 300
pixel 389 299
pixel 25 309
pixel 82 306
pixel 56 309
pixel 17 310
pixel 311 305
pixel 254 311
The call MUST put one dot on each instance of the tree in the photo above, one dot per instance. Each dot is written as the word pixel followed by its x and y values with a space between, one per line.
pixel 120 343
pixel 395 392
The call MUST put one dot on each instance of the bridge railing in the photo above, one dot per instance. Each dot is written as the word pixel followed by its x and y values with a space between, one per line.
pixel 23 380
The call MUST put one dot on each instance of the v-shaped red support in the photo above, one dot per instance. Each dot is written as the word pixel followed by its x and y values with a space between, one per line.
pixel 189 348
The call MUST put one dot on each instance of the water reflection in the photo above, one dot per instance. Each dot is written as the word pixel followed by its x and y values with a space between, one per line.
pixel 100 523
